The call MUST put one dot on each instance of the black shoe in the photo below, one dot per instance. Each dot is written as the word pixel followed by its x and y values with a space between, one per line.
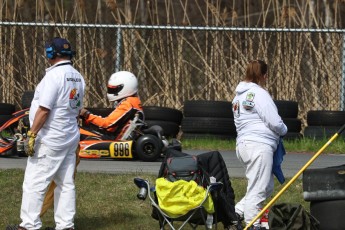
pixel 239 217
pixel 239 224
pixel 15 227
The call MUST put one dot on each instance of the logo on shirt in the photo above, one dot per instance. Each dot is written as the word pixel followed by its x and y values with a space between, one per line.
pixel 248 103
pixel 74 99
pixel 236 108
pixel 250 96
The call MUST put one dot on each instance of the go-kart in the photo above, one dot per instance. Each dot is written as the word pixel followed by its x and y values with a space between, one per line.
pixel 138 142
pixel 13 133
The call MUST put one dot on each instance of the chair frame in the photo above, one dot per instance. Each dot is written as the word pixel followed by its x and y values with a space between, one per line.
pixel 164 218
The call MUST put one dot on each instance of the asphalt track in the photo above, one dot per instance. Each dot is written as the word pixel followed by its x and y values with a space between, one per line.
pixel 292 163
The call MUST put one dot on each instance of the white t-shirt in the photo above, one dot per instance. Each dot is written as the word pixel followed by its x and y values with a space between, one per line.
pixel 61 91
pixel 256 116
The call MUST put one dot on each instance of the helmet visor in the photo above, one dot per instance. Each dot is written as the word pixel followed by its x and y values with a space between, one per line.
pixel 114 89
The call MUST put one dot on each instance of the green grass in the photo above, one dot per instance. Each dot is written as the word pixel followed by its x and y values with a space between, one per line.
pixel 297 145
pixel 108 201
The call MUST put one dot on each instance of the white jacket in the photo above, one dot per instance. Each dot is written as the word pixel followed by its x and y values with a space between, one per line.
pixel 256 116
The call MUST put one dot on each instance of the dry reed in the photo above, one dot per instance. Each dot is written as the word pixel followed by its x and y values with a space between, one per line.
pixel 178 65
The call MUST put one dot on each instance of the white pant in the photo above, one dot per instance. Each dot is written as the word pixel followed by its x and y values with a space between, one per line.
pixel 257 159
pixel 45 166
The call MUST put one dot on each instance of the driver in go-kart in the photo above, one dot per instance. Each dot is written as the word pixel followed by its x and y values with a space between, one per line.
pixel 122 91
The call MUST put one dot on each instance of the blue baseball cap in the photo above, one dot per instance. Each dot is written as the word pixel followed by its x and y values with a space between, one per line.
pixel 59 46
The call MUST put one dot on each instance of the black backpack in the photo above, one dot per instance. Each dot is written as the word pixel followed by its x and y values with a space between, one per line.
pixel 286 216
pixel 183 168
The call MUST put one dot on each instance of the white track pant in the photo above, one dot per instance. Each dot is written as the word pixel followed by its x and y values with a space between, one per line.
pixel 257 159
pixel 45 166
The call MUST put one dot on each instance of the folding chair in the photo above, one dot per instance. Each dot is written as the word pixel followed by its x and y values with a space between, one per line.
pixel 205 166
pixel 194 217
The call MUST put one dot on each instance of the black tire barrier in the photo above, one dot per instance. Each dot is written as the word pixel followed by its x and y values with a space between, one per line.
pixel 209 125
pixel 208 119
pixel 205 136
pixel 325 118
pixel 168 118
pixel 170 129
pixel 200 108
pixel 325 190
pixel 27 99
pixel 324 184
pixel 4 119
pixel 293 124
pixel 293 136
pixel 162 114
pixel 287 109
pixel 7 109
pixel 321 132
pixel 329 213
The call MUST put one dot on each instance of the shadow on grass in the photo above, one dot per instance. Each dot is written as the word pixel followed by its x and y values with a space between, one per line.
pixel 114 220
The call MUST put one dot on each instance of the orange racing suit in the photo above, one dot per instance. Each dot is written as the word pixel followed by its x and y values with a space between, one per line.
pixel 117 121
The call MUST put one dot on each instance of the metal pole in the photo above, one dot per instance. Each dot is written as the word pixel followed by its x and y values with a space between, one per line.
pixel 118 50
pixel 342 90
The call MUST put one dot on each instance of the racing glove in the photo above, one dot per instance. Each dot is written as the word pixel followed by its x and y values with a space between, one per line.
pixel 84 114
pixel 29 144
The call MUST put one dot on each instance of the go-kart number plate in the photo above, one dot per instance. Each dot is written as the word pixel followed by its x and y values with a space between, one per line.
pixel 117 149
pixel 121 149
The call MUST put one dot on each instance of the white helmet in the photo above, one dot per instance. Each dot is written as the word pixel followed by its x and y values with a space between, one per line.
pixel 121 84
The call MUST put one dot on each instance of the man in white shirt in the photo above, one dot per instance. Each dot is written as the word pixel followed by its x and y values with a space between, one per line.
pixel 53 140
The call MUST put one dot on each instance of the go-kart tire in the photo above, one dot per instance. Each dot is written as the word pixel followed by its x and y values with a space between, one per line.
pixel 9 153
pixel 22 154
pixel 148 148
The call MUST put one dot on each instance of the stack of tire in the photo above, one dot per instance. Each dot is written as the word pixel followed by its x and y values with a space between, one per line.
pixel 168 118
pixel 208 119
pixel 324 189
pixel 323 123
pixel 27 98
pixel 288 111
pixel 6 110
pixel 26 103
